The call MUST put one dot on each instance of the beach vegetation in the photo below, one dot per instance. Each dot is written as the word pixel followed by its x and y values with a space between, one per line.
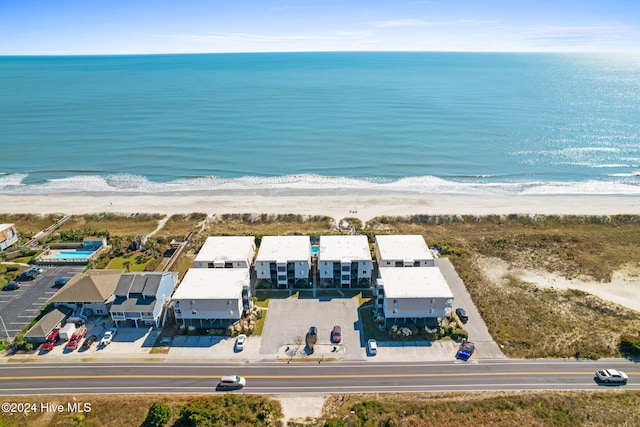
pixel 116 224
pixel 630 345
pixel 158 416
pixel 535 408
pixel 529 321
pixel 553 408
pixel 29 225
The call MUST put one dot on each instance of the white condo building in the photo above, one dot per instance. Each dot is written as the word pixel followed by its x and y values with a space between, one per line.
pixel 345 261
pixel 212 298
pixel 419 294
pixel 226 252
pixel 284 260
pixel 403 251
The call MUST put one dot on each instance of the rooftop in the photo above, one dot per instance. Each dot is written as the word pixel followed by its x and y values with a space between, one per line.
pixel 212 283
pixel 338 248
pixel 226 248
pixel 400 247
pixel 415 282
pixel 284 248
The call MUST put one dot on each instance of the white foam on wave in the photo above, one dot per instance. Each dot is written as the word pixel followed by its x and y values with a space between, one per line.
pixel 627 184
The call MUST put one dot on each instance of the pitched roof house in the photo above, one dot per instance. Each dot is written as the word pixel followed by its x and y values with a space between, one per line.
pixel 89 293
pixel 140 297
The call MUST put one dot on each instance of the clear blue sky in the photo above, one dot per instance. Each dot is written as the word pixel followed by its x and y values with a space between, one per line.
pixel 50 27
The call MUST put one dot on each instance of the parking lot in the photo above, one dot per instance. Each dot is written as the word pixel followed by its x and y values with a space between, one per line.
pixel 19 307
pixel 291 318
pixel 287 322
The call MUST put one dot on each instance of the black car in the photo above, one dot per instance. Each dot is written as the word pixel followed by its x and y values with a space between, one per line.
pixel 312 336
pixel 462 314
pixel 89 341
pixel 28 275
pixel 11 286
pixel 61 281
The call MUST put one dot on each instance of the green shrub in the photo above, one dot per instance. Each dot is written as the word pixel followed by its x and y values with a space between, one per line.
pixel 158 416
pixel 630 345
pixel 459 333
pixel 13 267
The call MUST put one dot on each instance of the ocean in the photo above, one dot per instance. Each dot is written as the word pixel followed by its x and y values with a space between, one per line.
pixel 450 123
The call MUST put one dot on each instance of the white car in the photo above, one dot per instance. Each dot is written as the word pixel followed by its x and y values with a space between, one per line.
pixel 611 376
pixel 108 337
pixel 372 347
pixel 240 341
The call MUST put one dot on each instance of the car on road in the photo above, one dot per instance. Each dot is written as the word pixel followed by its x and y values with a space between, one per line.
pixel 611 376
pixel 240 342
pixel 52 340
pixel 88 342
pixel 462 314
pixel 108 337
pixel 336 334
pixel 232 381
pixel 372 347
pixel 61 281
pixel 12 286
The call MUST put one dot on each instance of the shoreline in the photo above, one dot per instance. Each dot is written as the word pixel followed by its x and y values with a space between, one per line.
pixel 340 204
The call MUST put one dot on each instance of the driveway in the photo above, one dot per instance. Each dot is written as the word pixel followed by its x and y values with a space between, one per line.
pixel 486 348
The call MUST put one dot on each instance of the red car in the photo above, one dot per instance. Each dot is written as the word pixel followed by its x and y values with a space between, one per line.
pixel 74 341
pixel 336 335
pixel 52 340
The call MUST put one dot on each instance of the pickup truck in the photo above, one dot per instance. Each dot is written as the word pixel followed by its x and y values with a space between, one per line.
pixel 52 340
pixel 76 337
pixel 107 337
pixel 466 350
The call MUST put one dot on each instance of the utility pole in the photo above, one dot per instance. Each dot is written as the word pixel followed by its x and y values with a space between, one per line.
pixel 5 330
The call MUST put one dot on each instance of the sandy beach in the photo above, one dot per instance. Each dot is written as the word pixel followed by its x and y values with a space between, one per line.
pixel 339 205
pixel 622 290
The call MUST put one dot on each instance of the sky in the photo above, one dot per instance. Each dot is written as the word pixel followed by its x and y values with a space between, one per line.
pixel 106 27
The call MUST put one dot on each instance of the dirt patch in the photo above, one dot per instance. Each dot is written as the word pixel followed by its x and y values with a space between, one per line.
pixel 301 408
pixel 623 289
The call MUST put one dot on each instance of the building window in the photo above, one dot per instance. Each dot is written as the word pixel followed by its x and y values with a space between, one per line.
pixel 395 301
pixel 346 267
pixel 345 277
pixel 282 269
pixel 99 311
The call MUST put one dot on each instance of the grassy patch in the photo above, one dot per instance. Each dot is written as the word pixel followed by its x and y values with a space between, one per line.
pixel 132 263
pixel 178 226
pixel 490 408
pixel 29 224
pixel 116 224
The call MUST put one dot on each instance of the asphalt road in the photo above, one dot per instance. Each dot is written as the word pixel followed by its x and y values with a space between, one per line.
pixel 299 378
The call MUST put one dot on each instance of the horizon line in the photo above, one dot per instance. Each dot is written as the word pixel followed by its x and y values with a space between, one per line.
pixel 563 52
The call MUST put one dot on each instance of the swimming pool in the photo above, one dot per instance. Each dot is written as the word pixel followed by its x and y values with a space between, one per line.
pixel 74 255
pixel 314 249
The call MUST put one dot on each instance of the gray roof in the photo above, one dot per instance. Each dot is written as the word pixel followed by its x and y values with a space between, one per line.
pixel 90 286
pixel 49 321
pixel 137 292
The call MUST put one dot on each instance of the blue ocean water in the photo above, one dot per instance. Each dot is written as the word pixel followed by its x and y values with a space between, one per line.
pixel 420 122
